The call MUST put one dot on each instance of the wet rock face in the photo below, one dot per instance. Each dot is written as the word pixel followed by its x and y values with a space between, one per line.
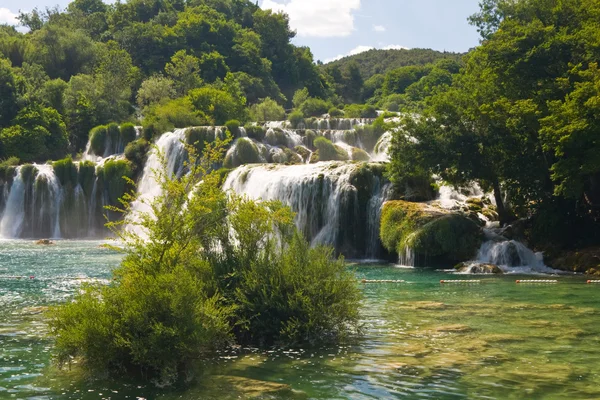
pixel 428 232
pixel 479 268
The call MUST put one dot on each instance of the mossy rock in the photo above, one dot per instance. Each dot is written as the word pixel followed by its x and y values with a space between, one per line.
pixel 66 171
pixel 86 175
pixel 113 174
pixel 114 134
pixel 309 138
pixel 199 137
pixel 292 157
pixel 429 232
pixel 302 152
pixel 329 151
pixel 98 137
pixel 128 133
pixel 245 151
pixel 276 137
pixel 233 126
pixel 360 155
pixel 28 172
pixel 137 152
pixel 255 132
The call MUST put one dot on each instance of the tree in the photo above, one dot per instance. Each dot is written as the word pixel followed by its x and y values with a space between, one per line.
pixel 217 104
pixel 268 110
pixel 155 90
pixel 184 71
pixel 8 94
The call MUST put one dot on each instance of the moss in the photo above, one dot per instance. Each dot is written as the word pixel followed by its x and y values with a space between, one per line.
pixel 233 126
pixel 360 155
pixel 276 137
pixel 244 152
pixel 137 152
pixel 223 173
pixel 66 171
pixel 328 151
pixel 114 134
pixel 296 118
pixel 309 138
pixel 150 131
pixel 198 137
pixel 115 185
pixel 350 137
pixel 98 137
pixel 128 133
pixel 28 172
pixel 255 132
pixel 335 112
pixel 292 157
pixel 428 232
pixel 86 175
pixel 7 169
pixel 302 152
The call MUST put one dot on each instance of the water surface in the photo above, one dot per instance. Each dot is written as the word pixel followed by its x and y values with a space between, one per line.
pixel 493 340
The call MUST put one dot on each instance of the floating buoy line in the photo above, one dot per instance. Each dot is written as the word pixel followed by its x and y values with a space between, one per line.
pixel 382 281
pixel 536 281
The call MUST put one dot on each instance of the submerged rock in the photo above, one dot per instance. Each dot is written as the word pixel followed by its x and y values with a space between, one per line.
pixel 46 242
pixel 427 232
pixel 475 268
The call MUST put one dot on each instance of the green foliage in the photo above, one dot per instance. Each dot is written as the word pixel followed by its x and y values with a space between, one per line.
pixel 436 234
pixel 267 110
pixel 296 118
pixel 220 106
pixel 360 111
pixel 8 94
pixel 66 171
pixel 114 174
pixel 300 96
pixel 369 134
pixel 314 107
pixel 25 144
pixel 360 155
pixel 233 127
pixel 179 113
pixel 127 132
pixel 7 169
pixel 255 132
pixel 227 268
pixel 155 90
pixel 86 175
pixel 98 137
pixel 136 152
pixel 335 112
pixel 199 137
pixel 184 71
pixel 113 133
pixel 244 152
pixel 276 137
pixel 329 151
pixel 28 172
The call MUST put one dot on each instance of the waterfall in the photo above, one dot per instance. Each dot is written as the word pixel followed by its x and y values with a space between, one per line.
pixel 171 147
pixel 407 258
pixel 329 208
pixel 14 211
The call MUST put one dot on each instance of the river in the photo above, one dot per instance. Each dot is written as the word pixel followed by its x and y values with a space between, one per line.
pixel 422 339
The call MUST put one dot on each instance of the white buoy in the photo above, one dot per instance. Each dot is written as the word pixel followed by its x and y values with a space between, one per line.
pixel 460 281
pixel 593 281
pixel 382 281
pixel 536 281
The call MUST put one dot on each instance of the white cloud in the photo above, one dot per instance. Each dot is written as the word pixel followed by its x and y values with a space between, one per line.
pixel 379 28
pixel 362 49
pixel 7 17
pixel 318 18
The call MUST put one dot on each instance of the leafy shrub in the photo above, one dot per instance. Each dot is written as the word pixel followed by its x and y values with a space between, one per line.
pixel 137 152
pixel 7 168
pixel 255 132
pixel 178 297
pixel 314 107
pixel 309 138
pixel 233 126
pixel 335 112
pixel 368 111
pixel 296 118
pixel 86 175
pixel 25 144
pixel 244 152
pixel 179 113
pixel 66 171
pixel 328 151
pixel 267 110
pixel 98 137
pixel 218 105
pixel 198 137
pixel 113 173
pixel 128 133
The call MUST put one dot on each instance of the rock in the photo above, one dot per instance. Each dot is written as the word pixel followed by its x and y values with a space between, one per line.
pixel 430 232
pixel 46 242
pixel 479 268
pixel 585 260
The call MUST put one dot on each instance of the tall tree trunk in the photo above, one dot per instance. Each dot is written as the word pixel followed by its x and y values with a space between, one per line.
pixel 502 213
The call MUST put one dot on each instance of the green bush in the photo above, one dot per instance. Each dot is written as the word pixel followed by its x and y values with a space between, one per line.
pixel 360 111
pixel 137 152
pixel 177 297
pixel 86 176
pixel 7 168
pixel 28 172
pixel 245 152
pixel 198 137
pixel 66 171
pixel 314 107
pixel 296 118
pixel 276 137
pixel 328 151
pixel 267 110
pixel 335 112
pixel 255 132
pixel 98 137
pixel 113 172
pixel 179 113
pixel 233 126
pixel 26 144
pixel 114 134
pixel 360 155
pixel 128 133
pixel 309 138
pixel 368 111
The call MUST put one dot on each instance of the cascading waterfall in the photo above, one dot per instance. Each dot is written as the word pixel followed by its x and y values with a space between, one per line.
pixel 326 202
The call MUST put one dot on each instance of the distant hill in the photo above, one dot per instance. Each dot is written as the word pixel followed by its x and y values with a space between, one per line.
pixel 380 61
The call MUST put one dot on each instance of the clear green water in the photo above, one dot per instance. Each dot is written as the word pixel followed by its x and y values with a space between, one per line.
pixel 422 340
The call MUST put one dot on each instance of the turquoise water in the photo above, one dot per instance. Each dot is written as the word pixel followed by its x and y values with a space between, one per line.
pixel 493 340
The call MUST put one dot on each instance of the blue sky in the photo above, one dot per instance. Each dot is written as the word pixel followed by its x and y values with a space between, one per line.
pixel 334 28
